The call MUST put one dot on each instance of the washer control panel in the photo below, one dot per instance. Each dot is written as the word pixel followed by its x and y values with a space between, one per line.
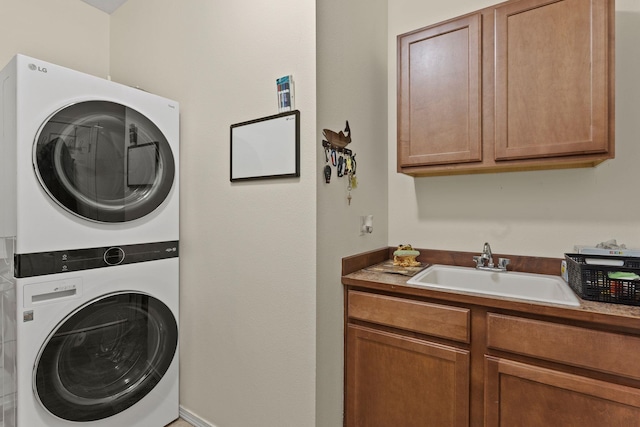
pixel 41 263
pixel 114 256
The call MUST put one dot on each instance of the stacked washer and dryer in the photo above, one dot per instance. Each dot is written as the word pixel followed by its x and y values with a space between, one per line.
pixel 89 209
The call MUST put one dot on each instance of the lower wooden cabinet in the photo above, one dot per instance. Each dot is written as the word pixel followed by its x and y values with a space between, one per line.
pixel 524 395
pixel 429 363
pixel 397 380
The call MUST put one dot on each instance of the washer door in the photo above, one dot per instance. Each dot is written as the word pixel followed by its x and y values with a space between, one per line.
pixel 103 161
pixel 105 357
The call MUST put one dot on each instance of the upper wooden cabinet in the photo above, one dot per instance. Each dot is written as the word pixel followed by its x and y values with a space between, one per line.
pixel 440 89
pixel 523 85
pixel 552 78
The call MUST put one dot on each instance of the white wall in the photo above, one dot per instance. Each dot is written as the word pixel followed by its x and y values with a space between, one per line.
pixel 352 77
pixel 248 250
pixel 528 213
pixel 69 33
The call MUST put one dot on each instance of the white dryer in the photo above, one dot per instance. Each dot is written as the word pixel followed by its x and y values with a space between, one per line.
pixel 84 162
pixel 99 347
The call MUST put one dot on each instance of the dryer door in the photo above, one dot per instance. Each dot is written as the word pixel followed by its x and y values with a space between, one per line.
pixel 105 357
pixel 103 161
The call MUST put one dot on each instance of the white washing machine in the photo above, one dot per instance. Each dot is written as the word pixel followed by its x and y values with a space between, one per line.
pixel 84 162
pixel 99 347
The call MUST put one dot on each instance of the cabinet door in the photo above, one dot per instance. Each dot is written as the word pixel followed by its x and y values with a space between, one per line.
pixel 522 395
pixel 392 380
pixel 439 87
pixel 553 82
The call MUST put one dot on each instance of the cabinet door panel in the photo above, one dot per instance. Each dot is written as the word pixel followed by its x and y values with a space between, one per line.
pixel 394 380
pixel 439 87
pixel 552 78
pixel 518 394
pixel 597 350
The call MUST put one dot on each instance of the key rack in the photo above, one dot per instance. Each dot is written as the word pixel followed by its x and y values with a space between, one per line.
pixel 337 156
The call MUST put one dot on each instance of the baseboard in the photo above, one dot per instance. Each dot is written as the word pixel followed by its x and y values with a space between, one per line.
pixel 193 419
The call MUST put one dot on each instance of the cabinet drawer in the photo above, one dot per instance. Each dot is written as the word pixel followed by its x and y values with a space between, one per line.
pixel 571 345
pixel 431 319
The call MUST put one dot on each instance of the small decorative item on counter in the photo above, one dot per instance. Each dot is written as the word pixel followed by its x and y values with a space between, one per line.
pixel 405 256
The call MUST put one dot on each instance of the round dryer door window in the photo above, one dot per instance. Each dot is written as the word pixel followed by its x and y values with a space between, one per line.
pixel 104 161
pixel 105 357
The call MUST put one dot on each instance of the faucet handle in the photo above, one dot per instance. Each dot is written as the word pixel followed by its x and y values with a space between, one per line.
pixel 503 262
pixel 479 260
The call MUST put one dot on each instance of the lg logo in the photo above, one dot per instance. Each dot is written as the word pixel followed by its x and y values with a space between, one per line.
pixel 34 67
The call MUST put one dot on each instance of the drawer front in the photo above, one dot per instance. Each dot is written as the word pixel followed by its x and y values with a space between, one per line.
pixel 416 316
pixel 571 345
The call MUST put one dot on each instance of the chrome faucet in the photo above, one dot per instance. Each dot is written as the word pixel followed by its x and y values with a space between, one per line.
pixel 487 255
pixel 485 261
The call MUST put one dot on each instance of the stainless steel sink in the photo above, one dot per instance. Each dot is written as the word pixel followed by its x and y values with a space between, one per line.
pixel 532 287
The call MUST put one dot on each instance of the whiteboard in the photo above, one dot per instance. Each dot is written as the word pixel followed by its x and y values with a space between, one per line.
pixel 266 148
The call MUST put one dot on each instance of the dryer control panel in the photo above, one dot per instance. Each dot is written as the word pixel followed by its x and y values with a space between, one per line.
pixel 38 264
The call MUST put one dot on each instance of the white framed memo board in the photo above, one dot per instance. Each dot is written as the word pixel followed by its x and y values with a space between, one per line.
pixel 266 148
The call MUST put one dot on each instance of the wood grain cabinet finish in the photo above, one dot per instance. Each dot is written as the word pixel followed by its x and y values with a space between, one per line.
pixel 524 85
pixel 413 362
pixel 395 380
pixel 416 316
pixel 570 345
pixel 552 78
pixel 523 395
pixel 398 379
pixel 439 94
pixel 528 395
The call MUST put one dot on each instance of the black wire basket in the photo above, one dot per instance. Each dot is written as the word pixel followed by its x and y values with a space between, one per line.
pixel 591 280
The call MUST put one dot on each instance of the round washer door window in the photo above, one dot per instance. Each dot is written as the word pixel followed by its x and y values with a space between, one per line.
pixel 105 357
pixel 103 161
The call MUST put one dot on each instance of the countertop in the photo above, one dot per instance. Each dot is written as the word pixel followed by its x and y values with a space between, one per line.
pixel 355 275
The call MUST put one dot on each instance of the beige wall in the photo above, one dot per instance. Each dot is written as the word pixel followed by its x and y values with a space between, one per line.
pixel 529 213
pixel 248 250
pixel 352 77
pixel 68 33
pixel 260 261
